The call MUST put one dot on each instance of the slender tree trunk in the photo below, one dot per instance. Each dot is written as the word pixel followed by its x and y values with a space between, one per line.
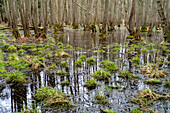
pixel 27 2
pixel 35 19
pixel 46 16
pixel 165 26
pixel 131 25
pixel 138 21
pixel 15 30
pixel 105 15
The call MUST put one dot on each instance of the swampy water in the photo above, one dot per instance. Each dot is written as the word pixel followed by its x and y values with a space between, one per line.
pixel 14 98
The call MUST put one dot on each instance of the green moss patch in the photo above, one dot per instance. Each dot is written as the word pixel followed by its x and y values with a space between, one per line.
pixel 153 81
pixel 90 61
pixel 52 98
pixel 100 99
pixel 110 66
pixel 107 111
pixel 14 77
pixel 127 74
pixel 167 83
pixel 91 84
pixel 102 75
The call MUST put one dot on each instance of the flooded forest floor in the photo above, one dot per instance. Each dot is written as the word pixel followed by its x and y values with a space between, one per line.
pixel 92 73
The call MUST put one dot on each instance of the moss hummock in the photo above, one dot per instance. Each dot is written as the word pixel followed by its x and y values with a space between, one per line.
pixel 110 66
pixel 153 81
pixel 100 99
pixel 15 77
pixel 127 74
pixel 153 71
pixel 52 98
pixel 91 84
pixel 147 96
pixel 102 75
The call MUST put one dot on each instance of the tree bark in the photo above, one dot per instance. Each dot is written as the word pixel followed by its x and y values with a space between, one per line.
pixel 131 25
pixel 15 30
pixel 105 15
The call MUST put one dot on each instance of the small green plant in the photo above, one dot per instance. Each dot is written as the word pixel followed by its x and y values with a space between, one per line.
pixel 110 66
pixel 62 54
pixel 60 45
pixel 149 46
pixel 12 48
pixel 156 50
pixel 102 75
pixel 127 74
pixel 90 61
pixel 167 83
pixel 2 35
pixel 153 81
pixel 2 67
pixel 79 63
pixel 51 45
pixel 78 48
pixel 144 28
pixel 16 77
pixel 82 57
pixel 65 83
pixel 64 63
pixel 30 111
pixel 13 57
pixel 21 52
pixel 100 99
pixel 19 64
pixel 136 60
pixel 117 45
pixel 52 67
pixel 147 96
pixel 107 111
pixel 69 46
pixel 91 84
pixel 116 49
pixel 135 110
pixel 60 72
pixel 144 50
pixel 52 98
pixel 100 51
pixel 42 59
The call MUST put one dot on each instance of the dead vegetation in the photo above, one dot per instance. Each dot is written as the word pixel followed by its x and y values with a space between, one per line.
pixel 153 71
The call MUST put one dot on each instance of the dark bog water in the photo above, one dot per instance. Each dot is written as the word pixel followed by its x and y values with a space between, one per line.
pixel 15 97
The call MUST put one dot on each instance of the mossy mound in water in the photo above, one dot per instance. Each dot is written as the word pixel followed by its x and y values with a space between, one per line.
pixel 153 71
pixel 52 98
pixel 30 111
pixel 153 81
pixel 91 84
pixel 146 96
pixel 15 77
pixel 101 75
pixel 167 84
pixel 107 111
pixel 110 66
pixel 100 99
pixel 127 74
